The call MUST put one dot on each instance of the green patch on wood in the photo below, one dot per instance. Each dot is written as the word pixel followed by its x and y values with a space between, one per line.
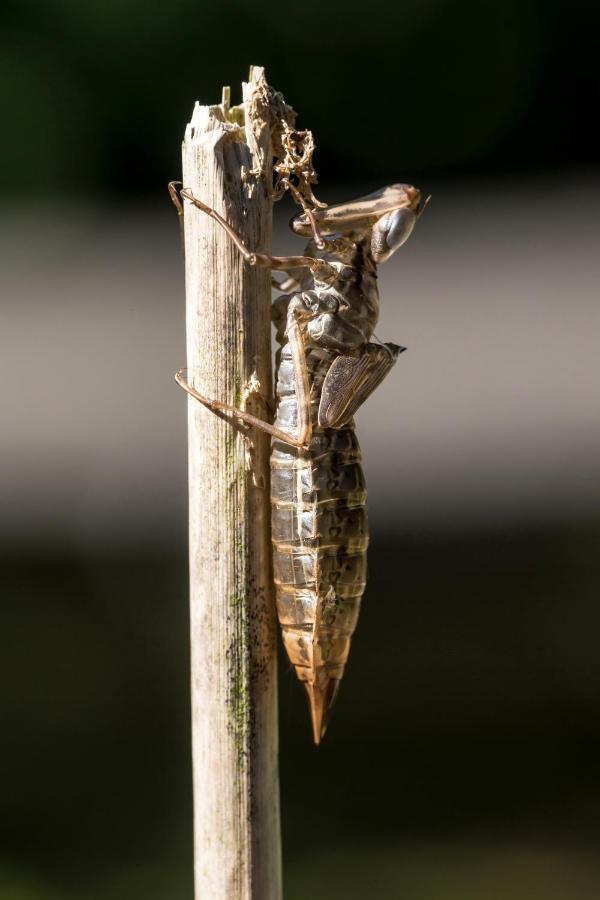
pixel 239 677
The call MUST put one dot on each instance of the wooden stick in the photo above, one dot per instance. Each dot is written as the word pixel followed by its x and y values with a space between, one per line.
pixel 234 701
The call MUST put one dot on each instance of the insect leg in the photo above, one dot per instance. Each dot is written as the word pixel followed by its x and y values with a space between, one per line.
pixel 248 418
pixel 296 341
pixel 304 423
pixel 178 206
pixel 261 260
pixel 288 286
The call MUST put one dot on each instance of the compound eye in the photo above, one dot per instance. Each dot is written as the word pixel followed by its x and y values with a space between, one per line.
pixel 400 226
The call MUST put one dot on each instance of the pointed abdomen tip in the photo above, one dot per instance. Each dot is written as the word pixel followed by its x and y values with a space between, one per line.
pixel 321 697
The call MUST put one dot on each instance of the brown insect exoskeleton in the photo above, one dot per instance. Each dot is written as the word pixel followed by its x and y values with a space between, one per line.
pixel 328 364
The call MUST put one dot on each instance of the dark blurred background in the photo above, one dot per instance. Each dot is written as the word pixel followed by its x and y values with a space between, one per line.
pixel 462 761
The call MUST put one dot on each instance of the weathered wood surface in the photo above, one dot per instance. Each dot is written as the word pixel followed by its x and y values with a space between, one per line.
pixel 234 700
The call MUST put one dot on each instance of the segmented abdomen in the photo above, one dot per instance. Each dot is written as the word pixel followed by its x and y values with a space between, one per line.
pixel 320 537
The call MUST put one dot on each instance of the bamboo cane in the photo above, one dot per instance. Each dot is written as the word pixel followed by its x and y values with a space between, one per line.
pixel 226 164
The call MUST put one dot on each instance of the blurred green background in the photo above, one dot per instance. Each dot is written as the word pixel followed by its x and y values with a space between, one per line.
pixel 462 760
pixel 94 93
